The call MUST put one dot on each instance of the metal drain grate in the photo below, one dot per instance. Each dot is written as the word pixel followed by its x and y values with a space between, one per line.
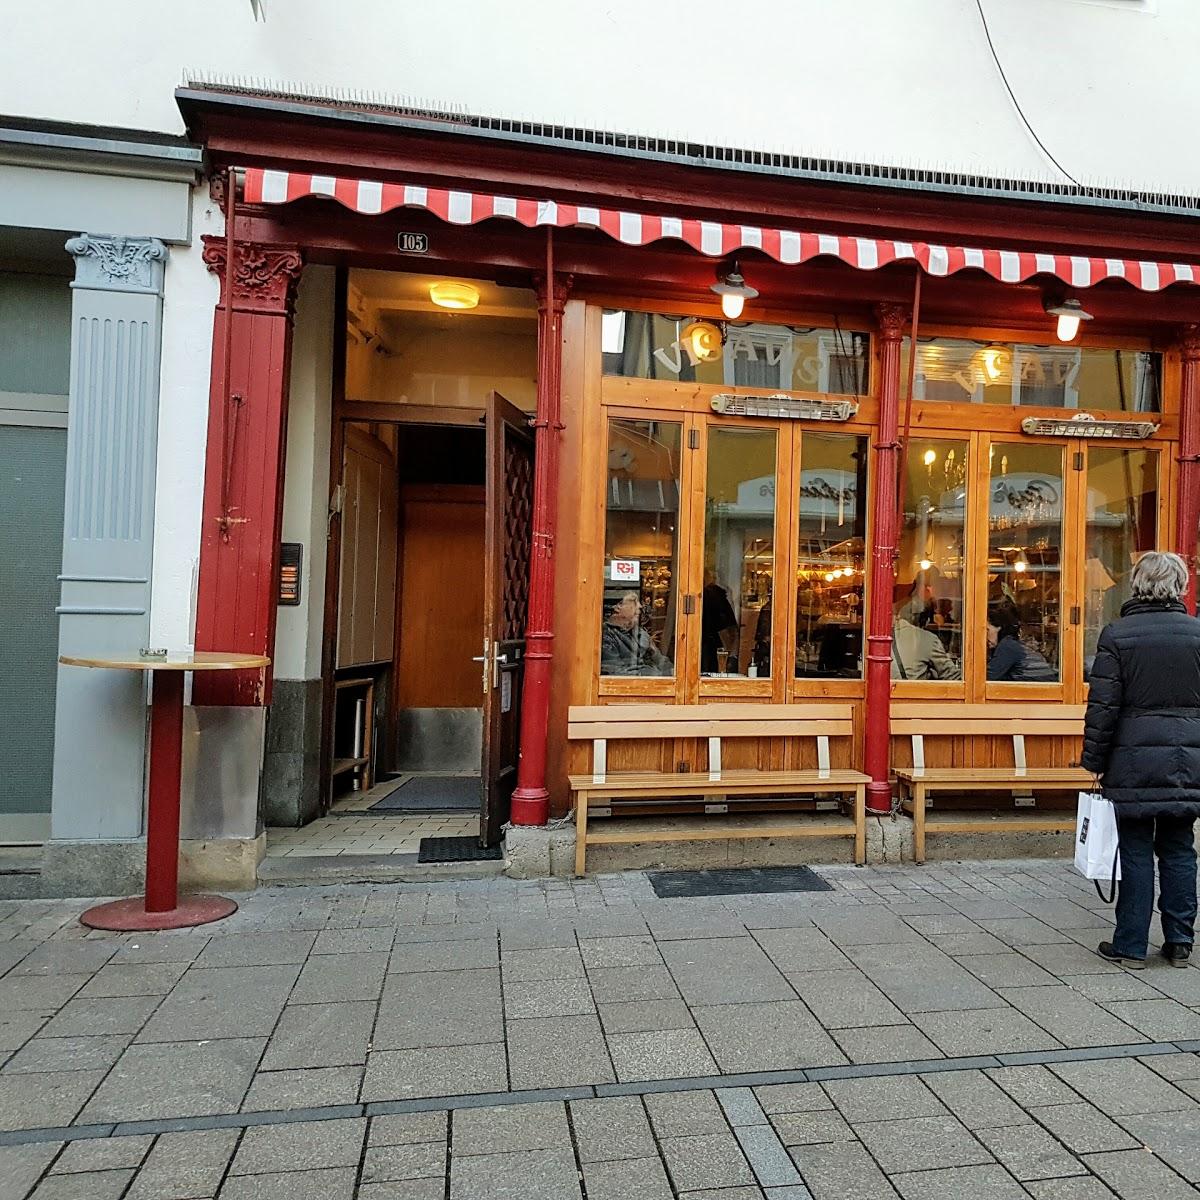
pixel 455 849
pixel 735 881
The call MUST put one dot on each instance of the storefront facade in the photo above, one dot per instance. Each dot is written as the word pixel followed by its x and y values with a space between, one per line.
pixel 779 507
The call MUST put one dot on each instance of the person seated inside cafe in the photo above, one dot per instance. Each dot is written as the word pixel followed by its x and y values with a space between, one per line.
pixel 917 653
pixel 1009 658
pixel 625 647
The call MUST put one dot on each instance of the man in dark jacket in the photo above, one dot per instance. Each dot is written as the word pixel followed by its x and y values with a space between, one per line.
pixel 1142 738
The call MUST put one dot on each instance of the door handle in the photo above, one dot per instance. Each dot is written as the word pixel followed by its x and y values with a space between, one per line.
pixel 496 661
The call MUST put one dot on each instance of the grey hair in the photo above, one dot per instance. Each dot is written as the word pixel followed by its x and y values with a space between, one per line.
pixel 1159 576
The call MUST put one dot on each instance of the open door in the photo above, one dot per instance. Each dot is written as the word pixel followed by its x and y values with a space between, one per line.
pixel 509 496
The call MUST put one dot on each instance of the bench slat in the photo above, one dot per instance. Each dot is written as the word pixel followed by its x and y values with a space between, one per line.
pixel 990 727
pixel 705 729
pixel 708 712
pixel 701 829
pixel 700 783
pixel 952 710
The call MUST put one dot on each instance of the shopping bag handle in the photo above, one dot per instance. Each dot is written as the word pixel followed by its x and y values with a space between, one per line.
pixel 1111 898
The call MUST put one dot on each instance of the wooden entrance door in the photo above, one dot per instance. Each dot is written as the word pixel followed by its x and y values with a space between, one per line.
pixel 508 522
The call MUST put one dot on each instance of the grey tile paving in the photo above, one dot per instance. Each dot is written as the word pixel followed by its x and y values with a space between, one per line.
pixel 887 1043
pixel 766 1036
pixel 1032 1086
pixel 299 1146
pixel 921 1144
pixel 554 963
pixel 1079 1188
pixel 1113 984
pixel 1136 1175
pixel 558 1052
pixel 334 1183
pixel 685 1114
pixel 975 1100
pixel 627 984
pixel 41 992
pixel 440 1008
pixel 660 1054
pixel 1084 1129
pixel 979 1183
pixel 102 1154
pixel 510 1128
pixel 22 1166
pixel 224 1002
pixel 731 970
pixel 619 952
pixel 801 950
pixel 844 999
pixel 68 1054
pixel 1161 1020
pixel 841 1171
pixel 439 1071
pixel 402 1129
pixel 959 945
pixel 770 1162
pixel 1120 1087
pixel 181 945
pixel 548 998
pixel 705 1160
pixel 627 1179
pixel 640 1016
pixel 185 1166
pixel 377 940
pixel 612 1128
pixel 445 956
pixel 134 979
pixel 1071 959
pixel 1023 931
pixel 1071 1018
pixel 527 1175
pixel 44 1101
pixel 339 978
pixel 1006 970
pixel 741 1106
pixel 95 1185
pixel 920 978
pixel 175 1079
pixel 811 1128
pixel 792 1097
pixel 1173 1136
pixel 308 1087
pixel 18 1027
pixel 983 1031
pixel 394 1164
pixel 86 1018
pixel 320 1035
pixel 883 1098
pixel 55 958
pixel 256 949
pixel 1029 1152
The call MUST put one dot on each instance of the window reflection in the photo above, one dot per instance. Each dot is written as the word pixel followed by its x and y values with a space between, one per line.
pixel 739 553
pixel 637 635
pixel 1122 524
pixel 830 568
pixel 1024 567
pixel 928 596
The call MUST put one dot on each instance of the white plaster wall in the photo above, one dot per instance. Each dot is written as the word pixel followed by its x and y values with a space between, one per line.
pixel 306 479
pixel 190 294
pixel 1109 84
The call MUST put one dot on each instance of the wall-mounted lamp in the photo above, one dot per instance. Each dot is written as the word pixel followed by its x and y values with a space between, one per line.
pixel 447 293
pixel 1069 314
pixel 703 340
pixel 734 291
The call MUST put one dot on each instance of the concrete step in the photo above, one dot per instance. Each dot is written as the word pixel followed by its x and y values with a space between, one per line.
pixel 287 871
pixel 21 873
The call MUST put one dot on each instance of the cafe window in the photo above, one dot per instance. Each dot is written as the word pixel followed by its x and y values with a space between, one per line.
pixel 959 371
pixel 1122 524
pixel 749 354
pixel 831 558
pixel 739 553
pixel 641 549
pixel 932 566
pixel 1024 563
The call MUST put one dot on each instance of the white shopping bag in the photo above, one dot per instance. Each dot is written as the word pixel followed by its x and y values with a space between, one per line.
pixel 1096 843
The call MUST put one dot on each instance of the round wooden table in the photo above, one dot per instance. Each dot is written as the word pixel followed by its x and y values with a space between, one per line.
pixel 162 907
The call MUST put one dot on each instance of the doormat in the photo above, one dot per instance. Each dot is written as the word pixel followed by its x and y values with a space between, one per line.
pixel 432 793
pixel 736 881
pixel 455 849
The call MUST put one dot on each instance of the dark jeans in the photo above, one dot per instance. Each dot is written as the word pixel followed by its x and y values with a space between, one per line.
pixel 1171 840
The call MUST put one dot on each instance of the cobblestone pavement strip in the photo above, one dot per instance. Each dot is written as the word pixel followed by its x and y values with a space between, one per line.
pixel 943 1031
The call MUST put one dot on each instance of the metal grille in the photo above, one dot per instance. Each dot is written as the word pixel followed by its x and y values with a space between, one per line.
pixel 518 520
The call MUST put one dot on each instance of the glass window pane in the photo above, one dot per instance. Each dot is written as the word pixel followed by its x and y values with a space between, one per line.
pixel 831 566
pixel 641 551
pixel 739 552
pixel 748 354
pixel 959 371
pixel 1025 520
pixel 928 598
pixel 1122 524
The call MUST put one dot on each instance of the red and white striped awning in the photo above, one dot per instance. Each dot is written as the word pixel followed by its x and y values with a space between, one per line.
pixel 710 237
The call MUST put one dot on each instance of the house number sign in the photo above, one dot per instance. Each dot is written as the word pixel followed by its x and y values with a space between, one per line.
pixel 412 243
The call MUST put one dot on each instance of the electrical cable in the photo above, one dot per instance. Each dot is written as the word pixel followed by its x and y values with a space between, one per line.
pixel 1013 97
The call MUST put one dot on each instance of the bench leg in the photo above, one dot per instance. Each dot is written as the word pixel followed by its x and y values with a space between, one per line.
pixel 860 825
pixel 918 795
pixel 581 807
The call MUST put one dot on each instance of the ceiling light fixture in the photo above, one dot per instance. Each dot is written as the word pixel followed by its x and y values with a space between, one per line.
pixel 1069 314
pixel 734 291
pixel 446 293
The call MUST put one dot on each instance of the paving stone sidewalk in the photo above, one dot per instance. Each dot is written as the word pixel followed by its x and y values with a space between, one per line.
pixel 942 1031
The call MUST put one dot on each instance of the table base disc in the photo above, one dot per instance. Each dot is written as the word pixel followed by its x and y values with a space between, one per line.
pixel 131 915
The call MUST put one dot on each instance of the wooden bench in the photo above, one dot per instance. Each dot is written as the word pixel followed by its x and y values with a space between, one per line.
pixel 714 722
pixel 921 720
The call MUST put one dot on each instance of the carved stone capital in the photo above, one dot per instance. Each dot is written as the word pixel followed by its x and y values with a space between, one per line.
pixel 264 277
pixel 892 319
pixel 118 264
pixel 555 296
pixel 1188 343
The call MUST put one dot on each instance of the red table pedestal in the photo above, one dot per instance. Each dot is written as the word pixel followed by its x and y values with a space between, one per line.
pixel 162 907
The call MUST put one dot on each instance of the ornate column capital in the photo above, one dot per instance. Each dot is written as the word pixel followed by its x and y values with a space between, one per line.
pixel 118 264
pixel 554 296
pixel 264 277
pixel 1188 343
pixel 892 319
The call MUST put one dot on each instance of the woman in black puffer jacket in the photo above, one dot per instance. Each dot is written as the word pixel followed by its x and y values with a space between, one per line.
pixel 1142 738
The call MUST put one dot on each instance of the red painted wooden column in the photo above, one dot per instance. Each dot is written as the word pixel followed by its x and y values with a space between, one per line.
pixel 1187 517
pixel 531 799
pixel 243 470
pixel 885 524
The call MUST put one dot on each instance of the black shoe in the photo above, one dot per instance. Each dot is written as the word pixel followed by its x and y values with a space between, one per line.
pixel 1109 954
pixel 1176 954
